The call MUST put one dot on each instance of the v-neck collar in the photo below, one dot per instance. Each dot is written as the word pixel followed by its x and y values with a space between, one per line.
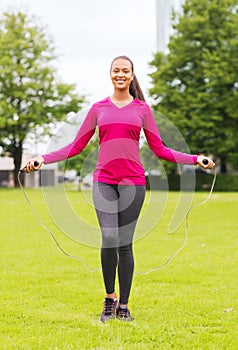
pixel 122 107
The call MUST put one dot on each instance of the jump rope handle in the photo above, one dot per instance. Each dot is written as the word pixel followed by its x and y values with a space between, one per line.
pixel 36 163
pixel 205 161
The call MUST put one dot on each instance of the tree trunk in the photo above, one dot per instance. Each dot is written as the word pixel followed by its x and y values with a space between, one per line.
pixel 223 165
pixel 17 159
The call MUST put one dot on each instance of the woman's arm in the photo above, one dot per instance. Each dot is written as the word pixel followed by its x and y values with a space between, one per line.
pixel 161 151
pixel 82 138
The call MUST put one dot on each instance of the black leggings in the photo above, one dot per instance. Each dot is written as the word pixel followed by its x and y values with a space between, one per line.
pixel 118 208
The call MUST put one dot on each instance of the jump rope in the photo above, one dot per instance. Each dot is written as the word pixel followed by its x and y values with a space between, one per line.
pixel 205 162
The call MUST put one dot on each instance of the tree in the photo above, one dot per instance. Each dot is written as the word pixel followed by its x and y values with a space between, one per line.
pixel 31 94
pixel 84 162
pixel 196 83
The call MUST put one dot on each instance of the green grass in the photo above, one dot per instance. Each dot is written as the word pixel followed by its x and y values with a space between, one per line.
pixel 49 301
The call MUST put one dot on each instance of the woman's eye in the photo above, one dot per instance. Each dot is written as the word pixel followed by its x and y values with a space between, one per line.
pixel 124 71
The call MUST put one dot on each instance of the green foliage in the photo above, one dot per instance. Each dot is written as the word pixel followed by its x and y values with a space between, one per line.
pixel 31 94
pixel 49 301
pixel 84 162
pixel 196 84
pixel 151 162
pixel 224 182
pixel 227 182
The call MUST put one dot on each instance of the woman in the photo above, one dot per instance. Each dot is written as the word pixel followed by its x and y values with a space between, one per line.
pixel 119 180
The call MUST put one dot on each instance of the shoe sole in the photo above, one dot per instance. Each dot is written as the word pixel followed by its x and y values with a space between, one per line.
pixel 107 319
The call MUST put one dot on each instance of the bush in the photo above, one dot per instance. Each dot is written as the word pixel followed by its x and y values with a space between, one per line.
pixel 224 182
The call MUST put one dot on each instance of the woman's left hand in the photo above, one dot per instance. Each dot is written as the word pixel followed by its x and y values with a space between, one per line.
pixel 205 162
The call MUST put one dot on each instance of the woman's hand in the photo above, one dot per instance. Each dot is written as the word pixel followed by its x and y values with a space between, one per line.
pixel 205 162
pixel 34 164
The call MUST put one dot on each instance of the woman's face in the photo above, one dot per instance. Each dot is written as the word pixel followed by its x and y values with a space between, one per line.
pixel 121 74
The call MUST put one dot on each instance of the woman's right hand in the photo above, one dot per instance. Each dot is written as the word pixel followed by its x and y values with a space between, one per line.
pixel 34 164
pixel 208 164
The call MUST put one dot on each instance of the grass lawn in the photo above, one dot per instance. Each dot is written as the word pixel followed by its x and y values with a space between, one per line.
pixel 49 301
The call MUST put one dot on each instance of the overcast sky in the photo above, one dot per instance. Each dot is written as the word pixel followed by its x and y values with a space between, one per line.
pixel 89 34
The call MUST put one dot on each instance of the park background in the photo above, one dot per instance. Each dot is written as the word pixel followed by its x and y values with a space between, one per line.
pixel 191 85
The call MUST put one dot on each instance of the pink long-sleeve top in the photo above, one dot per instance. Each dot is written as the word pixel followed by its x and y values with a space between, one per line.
pixel 119 134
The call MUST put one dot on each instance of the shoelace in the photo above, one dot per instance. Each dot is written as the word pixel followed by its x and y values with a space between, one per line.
pixel 123 312
pixel 108 307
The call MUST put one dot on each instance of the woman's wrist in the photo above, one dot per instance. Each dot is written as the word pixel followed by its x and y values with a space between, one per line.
pixel 42 159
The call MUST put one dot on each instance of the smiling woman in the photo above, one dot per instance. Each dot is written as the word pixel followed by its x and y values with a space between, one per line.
pixel 119 176
pixel 126 86
pixel 122 75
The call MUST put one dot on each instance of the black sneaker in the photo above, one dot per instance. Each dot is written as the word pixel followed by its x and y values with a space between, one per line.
pixel 109 309
pixel 123 314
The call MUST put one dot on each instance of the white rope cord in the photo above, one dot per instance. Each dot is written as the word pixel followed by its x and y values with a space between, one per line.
pixel 186 233
pixel 99 269
pixel 50 233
